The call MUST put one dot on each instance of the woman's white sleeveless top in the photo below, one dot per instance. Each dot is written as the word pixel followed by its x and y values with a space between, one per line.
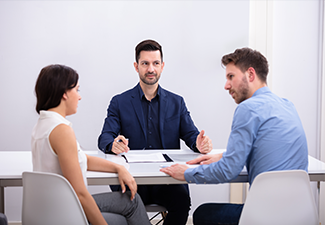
pixel 44 158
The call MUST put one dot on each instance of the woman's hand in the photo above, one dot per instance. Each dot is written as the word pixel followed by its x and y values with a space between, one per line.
pixel 103 165
pixel 125 178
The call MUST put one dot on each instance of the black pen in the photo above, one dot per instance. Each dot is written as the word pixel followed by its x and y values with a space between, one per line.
pixel 120 140
pixel 126 160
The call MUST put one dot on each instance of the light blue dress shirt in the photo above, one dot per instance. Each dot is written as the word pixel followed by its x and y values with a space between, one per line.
pixel 266 135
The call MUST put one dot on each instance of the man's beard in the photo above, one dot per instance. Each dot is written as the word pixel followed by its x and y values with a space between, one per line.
pixel 150 82
pixel 242 91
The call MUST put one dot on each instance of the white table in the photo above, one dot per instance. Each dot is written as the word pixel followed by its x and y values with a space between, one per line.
pixel 13 163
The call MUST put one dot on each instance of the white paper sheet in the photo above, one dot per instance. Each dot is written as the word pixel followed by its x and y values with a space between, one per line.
pixel 137 158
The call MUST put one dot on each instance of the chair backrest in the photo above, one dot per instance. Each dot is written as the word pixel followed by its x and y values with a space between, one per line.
pixel 50 199
pixel 280 197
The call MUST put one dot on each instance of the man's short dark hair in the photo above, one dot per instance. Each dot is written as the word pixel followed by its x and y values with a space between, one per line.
pixel 147 45
pixel 244 58
pixel 52 82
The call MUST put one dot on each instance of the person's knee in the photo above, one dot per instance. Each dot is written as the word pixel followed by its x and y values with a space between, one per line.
pixel 3 219
pixel 199 214
pixel 136 203
pixel 113 218
pixel 206 214
pixel 137 199
pixel 217 213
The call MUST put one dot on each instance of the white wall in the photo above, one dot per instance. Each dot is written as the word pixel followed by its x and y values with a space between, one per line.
pixel 97 38
pixel 296 61
pixel 296 71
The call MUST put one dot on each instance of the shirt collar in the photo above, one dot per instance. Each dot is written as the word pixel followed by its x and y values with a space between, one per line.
pixel 141 94
pixel 262 90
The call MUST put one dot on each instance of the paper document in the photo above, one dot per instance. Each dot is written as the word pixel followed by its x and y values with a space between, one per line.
pixel 137 158
pixel 184 157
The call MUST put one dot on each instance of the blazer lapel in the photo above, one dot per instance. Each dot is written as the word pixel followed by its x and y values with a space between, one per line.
pixel 162 114
pixel 136 103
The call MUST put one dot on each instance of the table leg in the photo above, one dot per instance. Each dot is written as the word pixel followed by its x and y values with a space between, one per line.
pixel 2 200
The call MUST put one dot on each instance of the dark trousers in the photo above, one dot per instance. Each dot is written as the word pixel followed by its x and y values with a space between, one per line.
pixel 175 198
pixel 217 214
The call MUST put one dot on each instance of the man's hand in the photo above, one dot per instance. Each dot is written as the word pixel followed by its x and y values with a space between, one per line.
pixel 120 145
pixel 203 143
pixel 176 171
pixel 206 159
pixel 125 178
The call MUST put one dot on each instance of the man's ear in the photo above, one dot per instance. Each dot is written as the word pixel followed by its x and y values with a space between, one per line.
pixel 251 74
pixel 135 64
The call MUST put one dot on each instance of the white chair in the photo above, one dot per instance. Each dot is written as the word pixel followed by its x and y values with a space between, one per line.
pixel 50 199
pixel 282 198
pixel 158 209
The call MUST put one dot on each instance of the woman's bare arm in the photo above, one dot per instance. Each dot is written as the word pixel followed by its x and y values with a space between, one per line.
pixel 63 142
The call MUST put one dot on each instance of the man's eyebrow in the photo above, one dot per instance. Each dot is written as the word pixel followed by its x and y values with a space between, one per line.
pixel 228 74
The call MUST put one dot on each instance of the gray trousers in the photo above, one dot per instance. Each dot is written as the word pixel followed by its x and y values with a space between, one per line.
pixel 117 208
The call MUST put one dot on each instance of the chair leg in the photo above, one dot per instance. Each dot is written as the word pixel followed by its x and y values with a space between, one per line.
pixel 163 215
pixel 159 221
pixel 154 216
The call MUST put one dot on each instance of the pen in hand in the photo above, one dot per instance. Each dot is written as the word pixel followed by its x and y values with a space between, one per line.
pixel 120 140
pixel 120 145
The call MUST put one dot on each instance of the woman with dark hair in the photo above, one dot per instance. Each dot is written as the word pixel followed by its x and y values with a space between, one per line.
pixel 56 150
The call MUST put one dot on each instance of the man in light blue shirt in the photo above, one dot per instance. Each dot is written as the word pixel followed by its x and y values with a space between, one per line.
pixel 266 135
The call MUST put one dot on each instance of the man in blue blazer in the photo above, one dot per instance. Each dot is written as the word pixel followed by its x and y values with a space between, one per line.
pixel 150 117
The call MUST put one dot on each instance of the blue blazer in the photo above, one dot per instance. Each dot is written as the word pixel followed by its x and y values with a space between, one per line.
pixel 125 116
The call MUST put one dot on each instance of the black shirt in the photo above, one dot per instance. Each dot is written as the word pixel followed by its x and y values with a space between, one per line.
pixel 151 118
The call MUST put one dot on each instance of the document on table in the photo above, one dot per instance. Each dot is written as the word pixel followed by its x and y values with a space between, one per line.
pixel 141 158
pixel 184 157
